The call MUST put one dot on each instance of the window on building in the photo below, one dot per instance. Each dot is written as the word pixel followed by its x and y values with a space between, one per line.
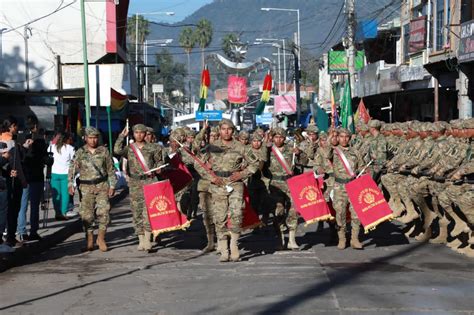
pixel 439 32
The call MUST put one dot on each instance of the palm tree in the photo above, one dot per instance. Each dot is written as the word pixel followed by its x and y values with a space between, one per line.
pixel 187 40
pixel 203 36
pixel 226 43
pixel 143 31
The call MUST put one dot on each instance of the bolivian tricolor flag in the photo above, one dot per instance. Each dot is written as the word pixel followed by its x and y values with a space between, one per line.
pixel 205 83
pixel 267 87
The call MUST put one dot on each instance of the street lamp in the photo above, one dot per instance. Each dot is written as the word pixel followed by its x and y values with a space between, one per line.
pixel 298 20
pixel 284 55
pixel 136 29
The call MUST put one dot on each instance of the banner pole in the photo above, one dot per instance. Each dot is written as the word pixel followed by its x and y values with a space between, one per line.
pixel 109 124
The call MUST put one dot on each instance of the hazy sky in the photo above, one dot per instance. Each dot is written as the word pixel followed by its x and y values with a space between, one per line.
pixel 181 8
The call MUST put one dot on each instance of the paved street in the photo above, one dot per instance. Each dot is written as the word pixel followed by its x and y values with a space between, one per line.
pixel 389 277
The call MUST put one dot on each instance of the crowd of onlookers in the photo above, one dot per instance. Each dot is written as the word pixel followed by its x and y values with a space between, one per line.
pixel 33 167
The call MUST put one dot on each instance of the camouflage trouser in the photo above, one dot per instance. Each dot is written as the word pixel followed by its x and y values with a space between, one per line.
pixel 183 199
pixel 141 222
pixel 390 182
pixel 329 183
pixel 460 195
pixel 340 203
pixel 205 203
pixel 95 203
pixel 225 205
pixel 284 210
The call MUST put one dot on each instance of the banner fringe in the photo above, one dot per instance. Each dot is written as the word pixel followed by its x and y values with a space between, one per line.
pixel 171 229
pixel 373 225
pixel 326 217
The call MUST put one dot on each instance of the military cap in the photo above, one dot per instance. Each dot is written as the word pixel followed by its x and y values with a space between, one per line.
pixel 279 131
pixel 190 133
pixel 228 122
pixel 345 130
pixel 374 123
pixel 312 128
pixel 442 125
pixel 244 135
pixel 150 130
pixel 257 136
pixel 323 135
pixel 91 132
pixel 363 127
pixel 469 123
pixel 140 127
pixel 215 129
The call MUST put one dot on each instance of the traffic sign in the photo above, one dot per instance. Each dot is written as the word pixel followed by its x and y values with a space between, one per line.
pixel 211 115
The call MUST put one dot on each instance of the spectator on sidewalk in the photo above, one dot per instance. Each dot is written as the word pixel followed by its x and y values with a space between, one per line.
pixel 35 158
pixel 5 156
pixel 16 181
pixel 63 154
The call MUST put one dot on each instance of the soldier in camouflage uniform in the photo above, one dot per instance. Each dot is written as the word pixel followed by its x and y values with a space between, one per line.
pixel 150 135
pixel 341 200
pixel 309 146
pixel 256 183
pixel 153 158
pixel 97 177
pixel 244 137
pixel 284 212
pixel 191 192
pixel 232 162
pixel 377 150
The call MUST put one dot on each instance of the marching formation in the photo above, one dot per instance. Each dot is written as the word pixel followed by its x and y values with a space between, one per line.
pixel 424 170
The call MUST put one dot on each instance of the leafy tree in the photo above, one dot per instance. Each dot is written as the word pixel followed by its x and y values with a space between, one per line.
pixel 226 43
pixel 204 34
pixel 171 75
pixel 187 40
pixel 143 31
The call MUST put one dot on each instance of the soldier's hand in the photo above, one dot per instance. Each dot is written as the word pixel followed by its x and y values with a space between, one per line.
pixel 217 181
pixel 456 176
pixel 111 192
pixel 124 131
pixel 296 151
pixel 13 173
pixel 235 177
pixel 71 190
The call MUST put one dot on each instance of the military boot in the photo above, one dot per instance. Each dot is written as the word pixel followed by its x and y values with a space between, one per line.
pixel 341 234
pixel 428 215
pixel 460 226
pixel 101 241
pixel 223 245
pixel 89 241
pixel 355 243
pixel 442 237
pixel 411 213
pixel 425 236
pixel 146 241
pixel 396 205
pixel 471 239
pixel 140 242
pixel 468 251
pixel 210 243
pixel 234 247
pixel 280 235
pixel 292 240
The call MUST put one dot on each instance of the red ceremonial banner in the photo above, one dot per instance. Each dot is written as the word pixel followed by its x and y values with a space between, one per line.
pixel 250 218
pixel 161 207
pixel 237 90
pixel 308 199
pixel 368 202
pixel 179 175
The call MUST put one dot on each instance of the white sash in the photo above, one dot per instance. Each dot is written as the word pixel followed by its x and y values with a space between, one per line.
pixel 281 159
pixel 139 155
pixel 344 161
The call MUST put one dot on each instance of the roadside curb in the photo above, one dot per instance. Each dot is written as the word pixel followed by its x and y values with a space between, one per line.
pixel 73 226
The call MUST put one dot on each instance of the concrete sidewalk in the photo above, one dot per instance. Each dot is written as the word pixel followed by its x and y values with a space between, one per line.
pixel 53 233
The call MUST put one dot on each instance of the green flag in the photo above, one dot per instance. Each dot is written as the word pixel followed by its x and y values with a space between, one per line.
pixel 347 116
pixel 322 119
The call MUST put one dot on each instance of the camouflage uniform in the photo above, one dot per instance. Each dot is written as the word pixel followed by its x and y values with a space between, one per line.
pixel 279 193
pixel 97 176
pixel 341 200
pixel 257 184
pixel 377 151
pixel 137 178
pixel 226 160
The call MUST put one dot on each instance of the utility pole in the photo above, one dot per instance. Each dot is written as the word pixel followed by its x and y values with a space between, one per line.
pixel 27 30
pixel 87 103
pixel 297 85
pixel 350 44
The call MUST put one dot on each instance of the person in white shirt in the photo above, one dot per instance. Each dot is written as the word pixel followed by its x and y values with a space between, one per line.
pixel 63 154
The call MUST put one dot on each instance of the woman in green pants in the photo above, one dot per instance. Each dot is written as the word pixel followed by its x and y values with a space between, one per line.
pixel 63 154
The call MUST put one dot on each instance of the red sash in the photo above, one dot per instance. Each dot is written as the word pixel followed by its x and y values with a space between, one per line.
pixel 139 155
pixel 161 206
pixel 345 162
pixel 281 160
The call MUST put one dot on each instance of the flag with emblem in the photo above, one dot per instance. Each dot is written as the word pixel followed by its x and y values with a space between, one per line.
pixel 161 206
pixel 362 114
pixel 205 84
pixel 308 199
pixel 267 87
pixel 368 202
